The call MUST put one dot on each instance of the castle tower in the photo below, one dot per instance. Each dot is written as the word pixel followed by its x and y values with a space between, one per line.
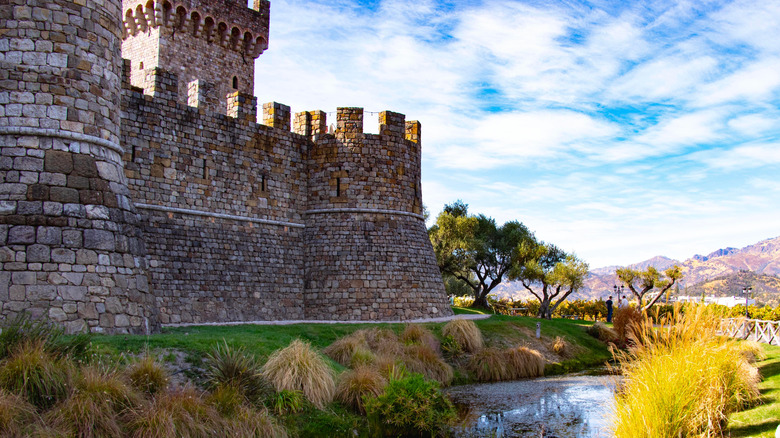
pixel 70 248
pixel 368 256
pixel 214 41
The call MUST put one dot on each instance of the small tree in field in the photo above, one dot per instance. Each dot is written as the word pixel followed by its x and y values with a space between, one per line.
pixel 641 283
pixel 549 274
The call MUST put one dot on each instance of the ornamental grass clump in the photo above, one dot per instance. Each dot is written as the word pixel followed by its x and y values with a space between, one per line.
pixel 15 413
pixel 355 386
pixel 488 365
pixel 601 332
pixel 560 347
pixel 625 321
pixel 147 375
pixel 465 333
pixel 253 423
pixel 228 366
pixel 420 358
pixel 22 329
pixel 35 374
pixel 682 378
pixel 95 406
pixel 344 349
pixel 418 334
pixel 522 362
pixel 298 367
pixel 177 413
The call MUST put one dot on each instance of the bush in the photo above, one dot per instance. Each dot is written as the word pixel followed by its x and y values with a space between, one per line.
pixel 418 334
pixel 601 332
pixel 560 347
pixel 450 347
pixel 422 359
pixel 625 321
pixel 23 330
pixel 227 366
pixel 412 406
pixel 661 397
pixel 15 413
pixel 251 423
pixel 465 333
pixel 488 365
pixel 35 374
pixel 299 367
pixel 178 413
pixel 357 385
pixel 752 351
pixel 147 375
pixel 522 362
pixel 344 349
pixel 362 356
pixel 94 408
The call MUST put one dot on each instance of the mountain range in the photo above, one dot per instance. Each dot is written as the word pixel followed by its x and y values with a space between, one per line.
pixel 725 271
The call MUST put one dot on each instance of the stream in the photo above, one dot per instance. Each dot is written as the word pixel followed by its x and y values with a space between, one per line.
pixel 562 407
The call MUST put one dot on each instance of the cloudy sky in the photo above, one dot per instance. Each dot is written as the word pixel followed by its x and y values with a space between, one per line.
pixel 618 130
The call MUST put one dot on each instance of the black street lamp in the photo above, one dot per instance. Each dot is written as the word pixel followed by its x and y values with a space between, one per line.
pixel 619 293
pixel 746 291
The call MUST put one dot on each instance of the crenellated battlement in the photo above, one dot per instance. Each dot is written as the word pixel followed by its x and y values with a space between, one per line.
pixel 228 24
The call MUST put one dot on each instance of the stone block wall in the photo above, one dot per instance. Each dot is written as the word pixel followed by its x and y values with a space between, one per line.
pixel 70 247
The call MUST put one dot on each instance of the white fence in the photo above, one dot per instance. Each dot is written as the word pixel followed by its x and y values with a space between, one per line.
pixel 767 332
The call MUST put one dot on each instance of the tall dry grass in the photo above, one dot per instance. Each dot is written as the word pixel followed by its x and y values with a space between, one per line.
pixel 523 362
pixel 177 413
pixel 488 365
pixel 625 320
pixel 15 413
pixel 147 375
pixel 420 358
pixel 418 334
pixel 358 384
pixel 36 374
pixel 681 379
pixel 465 333
pixel 298 367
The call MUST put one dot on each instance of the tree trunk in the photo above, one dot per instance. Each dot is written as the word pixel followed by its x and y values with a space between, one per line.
pixel 544 309
pixel 481 302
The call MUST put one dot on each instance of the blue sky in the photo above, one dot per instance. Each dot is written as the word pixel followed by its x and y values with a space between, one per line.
pixel 616 130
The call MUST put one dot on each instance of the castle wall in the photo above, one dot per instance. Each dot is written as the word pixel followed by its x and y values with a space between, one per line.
pixel 221 200
pixel 368 255
pixel 70 246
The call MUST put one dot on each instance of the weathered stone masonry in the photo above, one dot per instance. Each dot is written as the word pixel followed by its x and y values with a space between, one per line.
pixel 138 196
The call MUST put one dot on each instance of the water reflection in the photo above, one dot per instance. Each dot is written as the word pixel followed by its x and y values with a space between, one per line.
pixel 572 406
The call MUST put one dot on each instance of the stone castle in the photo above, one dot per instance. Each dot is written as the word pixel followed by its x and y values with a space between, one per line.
pixel 141 192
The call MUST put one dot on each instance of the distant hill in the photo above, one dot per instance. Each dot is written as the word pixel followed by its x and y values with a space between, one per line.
pixel 722 272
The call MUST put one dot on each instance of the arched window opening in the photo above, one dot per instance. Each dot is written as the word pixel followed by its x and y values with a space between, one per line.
pixel 130 22
pixel 196 28
pixel 235 36
pixel 235 82
pixel 248 40
pixel 181 18
pixel 208 29
pixel 140 18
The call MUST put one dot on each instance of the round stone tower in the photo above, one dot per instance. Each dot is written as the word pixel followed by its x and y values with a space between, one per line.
pixel 368 256
pixel 70 248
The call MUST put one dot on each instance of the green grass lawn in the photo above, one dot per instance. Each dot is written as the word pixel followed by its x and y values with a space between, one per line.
pixel 762 420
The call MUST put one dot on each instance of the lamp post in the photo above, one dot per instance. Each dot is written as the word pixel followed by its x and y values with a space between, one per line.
pixel 746 291
pixel 619 293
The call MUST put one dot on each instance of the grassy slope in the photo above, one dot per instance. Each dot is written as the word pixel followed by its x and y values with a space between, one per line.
pixel 762 420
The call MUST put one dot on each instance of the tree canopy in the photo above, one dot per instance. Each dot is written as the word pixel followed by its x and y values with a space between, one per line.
pixel 474 249
pixel 548 273
pixel 641 283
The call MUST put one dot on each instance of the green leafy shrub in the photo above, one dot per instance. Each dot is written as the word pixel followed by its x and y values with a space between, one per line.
pixel 147 375
pixel 357 385
pixel 411 406
pixel 450 347
pixel 298 367
pixel 228 366
pixel 35 374
pixel 465 333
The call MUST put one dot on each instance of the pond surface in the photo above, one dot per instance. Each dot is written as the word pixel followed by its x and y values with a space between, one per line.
pixel 562 407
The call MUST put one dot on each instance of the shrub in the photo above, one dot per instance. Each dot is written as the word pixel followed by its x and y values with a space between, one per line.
pixel 35 374
pixel 661 397
pixel 362 356
pixel 358 384
pixel 752 351
pixel 299 367
pixel 227 366
pixel 626 319
pixel 450 347
pixel 465 333
pixel 226 399
pixel 23 330
pixel 560 347
pixel 15 413
pixel 423 360
pixel 178 413
pixel 411 406
pixel 488 365
pixel 94 408
pixel 601 332
pixel 147 375
pixel 522 362
pixel 251 423
pixel 344 349
pixel 284 402
pixel 418 334
pixel 386 365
